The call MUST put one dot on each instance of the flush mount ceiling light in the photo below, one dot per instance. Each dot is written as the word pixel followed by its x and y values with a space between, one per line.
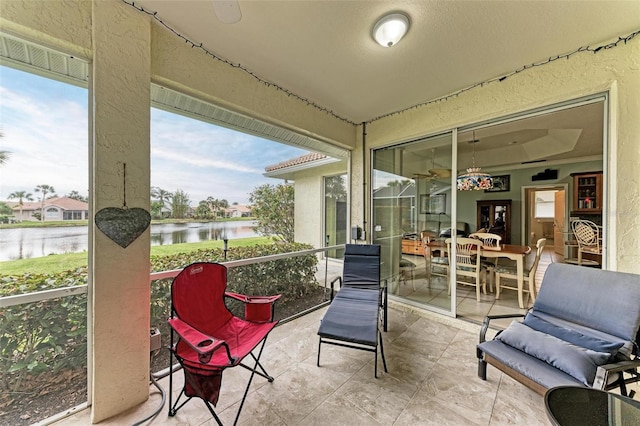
pixel 390 29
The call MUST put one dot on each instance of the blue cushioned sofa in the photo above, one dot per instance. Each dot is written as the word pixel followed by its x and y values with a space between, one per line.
pixel 583 330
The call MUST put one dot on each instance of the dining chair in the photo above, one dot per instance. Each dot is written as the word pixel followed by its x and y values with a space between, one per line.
pixel 588 235
pixel 468 263
pixel 529 273
pixel 434 265
pixel 490 241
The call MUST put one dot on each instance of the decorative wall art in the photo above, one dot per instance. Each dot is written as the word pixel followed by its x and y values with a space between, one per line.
pixel 434 204
pixel 500 184
pixel 123 225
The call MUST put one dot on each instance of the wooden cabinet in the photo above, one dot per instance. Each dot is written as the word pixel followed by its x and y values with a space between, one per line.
pixel 495 217
pixel 412 247
pixel 587 192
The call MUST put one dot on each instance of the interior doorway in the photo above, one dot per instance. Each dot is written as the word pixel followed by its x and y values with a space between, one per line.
pixel 545 213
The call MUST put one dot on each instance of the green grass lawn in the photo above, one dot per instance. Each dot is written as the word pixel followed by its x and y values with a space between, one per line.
pixel 64 262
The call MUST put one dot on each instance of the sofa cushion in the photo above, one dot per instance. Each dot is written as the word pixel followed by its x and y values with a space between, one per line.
pixel 598 299
pixel 572 336
pixel 530 367
pixel 580 363
pixel 625 351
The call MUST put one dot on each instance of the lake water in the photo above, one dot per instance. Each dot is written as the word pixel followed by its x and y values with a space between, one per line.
pixel 24 243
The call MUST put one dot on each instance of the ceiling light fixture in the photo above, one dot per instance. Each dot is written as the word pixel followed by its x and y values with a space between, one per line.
pixel 390 29
pixel 474 179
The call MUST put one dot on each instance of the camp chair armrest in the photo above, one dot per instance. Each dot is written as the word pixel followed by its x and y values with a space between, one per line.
pixel 252 299
pixel 256 308
pixel 603 371
pixel 202 343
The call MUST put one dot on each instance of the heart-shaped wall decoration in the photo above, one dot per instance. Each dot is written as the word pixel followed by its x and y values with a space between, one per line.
pixel 123 226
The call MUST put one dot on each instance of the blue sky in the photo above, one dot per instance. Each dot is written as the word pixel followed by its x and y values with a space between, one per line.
pixel 45 122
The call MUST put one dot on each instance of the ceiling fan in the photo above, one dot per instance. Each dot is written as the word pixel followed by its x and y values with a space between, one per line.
pixel 433 173
pixel 227 11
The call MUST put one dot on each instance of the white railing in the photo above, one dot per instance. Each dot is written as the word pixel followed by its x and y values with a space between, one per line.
pixel 38 296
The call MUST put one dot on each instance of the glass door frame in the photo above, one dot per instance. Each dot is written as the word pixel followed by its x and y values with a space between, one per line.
pixel 452 224
pixel 608 228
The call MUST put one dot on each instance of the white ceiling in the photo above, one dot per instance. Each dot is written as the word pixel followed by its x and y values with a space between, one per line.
pixel 323 50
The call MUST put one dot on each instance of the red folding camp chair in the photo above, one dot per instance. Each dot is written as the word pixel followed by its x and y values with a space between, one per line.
pixel 210 338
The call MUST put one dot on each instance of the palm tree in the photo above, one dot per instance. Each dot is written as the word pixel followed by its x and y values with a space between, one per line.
pixel 4 156
pixel 45 189
pixel 179 204
pixel 21 196
pixel 161 195
pixel 75 195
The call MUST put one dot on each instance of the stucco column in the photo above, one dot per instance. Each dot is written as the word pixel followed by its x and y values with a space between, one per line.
pixel 120 109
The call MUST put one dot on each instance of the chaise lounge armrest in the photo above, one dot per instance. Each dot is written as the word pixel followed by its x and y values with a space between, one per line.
pixel 604 372
pixel 333 281
pixel 203 344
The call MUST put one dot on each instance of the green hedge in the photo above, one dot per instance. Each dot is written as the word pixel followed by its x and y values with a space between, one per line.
pixel 52 334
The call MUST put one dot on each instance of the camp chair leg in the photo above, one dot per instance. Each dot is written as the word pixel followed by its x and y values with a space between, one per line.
pixel 213 413
pixel 253 372
pixel 262 374
pixel 174 409
pixel 319 346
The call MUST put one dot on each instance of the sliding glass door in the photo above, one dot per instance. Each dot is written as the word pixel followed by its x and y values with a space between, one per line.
pixel 411 199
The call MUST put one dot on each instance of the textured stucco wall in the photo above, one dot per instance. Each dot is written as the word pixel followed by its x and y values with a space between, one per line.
pixel 121 114
pixel 62 25
pixel 615 70
pixel 309 211
pixel 129 54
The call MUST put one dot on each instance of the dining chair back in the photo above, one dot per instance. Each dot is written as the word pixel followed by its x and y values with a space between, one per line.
pixel 434 265
pixel 468 262
pixel 529 273
pixel 588 235
pixel 490 241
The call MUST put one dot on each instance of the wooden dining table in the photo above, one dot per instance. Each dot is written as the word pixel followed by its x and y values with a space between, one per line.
pixel 508 251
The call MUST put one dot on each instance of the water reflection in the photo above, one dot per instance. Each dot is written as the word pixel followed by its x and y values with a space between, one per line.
pixel 24 243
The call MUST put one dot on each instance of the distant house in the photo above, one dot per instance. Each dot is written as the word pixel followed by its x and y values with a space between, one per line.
pixel 237 210
pixel 58 208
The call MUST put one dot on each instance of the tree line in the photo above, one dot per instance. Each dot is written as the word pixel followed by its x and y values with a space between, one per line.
pixel 272 206
pixel 46 191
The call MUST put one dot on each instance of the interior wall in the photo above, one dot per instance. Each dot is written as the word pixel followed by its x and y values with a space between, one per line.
pixel 518 178
pixel 614 70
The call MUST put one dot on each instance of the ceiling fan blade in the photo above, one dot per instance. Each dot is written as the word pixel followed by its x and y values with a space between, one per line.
pixel 227 11
pixel 440 173
pixel 423 176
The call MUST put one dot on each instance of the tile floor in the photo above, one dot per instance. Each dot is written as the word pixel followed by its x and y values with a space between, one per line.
pixel 431 380
pixel 416 287
pixel 432 377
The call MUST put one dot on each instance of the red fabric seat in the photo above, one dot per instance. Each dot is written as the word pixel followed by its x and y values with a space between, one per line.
pixel 209 337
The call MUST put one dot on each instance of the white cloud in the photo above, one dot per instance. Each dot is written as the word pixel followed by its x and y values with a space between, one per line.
pixel 45 127
pixel 200 161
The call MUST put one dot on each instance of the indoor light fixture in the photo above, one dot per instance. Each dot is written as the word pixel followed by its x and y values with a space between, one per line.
pixel 390 29
pixel 474 179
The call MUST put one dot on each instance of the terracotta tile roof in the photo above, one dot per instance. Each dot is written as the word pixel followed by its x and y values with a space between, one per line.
pixel 239 207
pixel 64 203
pixel 307 158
